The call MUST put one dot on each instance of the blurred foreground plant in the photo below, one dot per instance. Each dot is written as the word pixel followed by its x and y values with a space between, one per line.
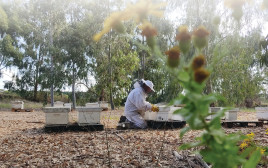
pixel 217 148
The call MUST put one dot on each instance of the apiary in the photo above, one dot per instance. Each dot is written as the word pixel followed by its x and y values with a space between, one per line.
pixel 88 115
pixel 56 116
pixel 262 113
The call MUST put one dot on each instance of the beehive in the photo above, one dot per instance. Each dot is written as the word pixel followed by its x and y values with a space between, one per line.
pixel 88 115
pixel 56 115
pixel 18 105
pixel 231 115
pixel 262 113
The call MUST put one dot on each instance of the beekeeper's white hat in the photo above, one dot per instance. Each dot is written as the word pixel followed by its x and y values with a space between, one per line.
pixel 149 84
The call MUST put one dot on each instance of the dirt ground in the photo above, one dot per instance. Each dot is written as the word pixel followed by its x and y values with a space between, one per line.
pixel 24 143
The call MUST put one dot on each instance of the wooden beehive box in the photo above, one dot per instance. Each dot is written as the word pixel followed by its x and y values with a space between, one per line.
pixel 262 113
pixel 56 116
pixel 88 115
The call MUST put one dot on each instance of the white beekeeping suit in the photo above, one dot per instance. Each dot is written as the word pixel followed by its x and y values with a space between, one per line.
pixel 136 104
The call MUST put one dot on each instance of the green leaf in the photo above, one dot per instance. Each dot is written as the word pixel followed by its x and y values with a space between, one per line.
pixel 184 76
pixel 190 145
pixel 253 160
pixel 184 130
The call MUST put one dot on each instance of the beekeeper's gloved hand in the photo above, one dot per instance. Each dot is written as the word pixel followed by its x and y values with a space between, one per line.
pixel 155 108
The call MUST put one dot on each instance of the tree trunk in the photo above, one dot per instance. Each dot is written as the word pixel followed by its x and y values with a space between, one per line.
pixel 73 89
pixel 52 67
pixel 110 73
pixel 36 79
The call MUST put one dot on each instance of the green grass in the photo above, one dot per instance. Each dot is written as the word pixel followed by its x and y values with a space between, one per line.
pixel 5 105
pixel 247 110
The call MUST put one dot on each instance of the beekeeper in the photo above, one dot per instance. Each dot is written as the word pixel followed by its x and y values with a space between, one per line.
pixel 136 103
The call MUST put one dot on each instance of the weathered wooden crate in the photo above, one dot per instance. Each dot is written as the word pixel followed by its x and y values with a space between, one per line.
pixel 262 113
pixel 56 116
pixel 88 115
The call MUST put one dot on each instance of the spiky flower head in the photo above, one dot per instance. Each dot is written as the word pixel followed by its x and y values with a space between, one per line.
pixel 173 59
pixel 198 62
pixel 236 6
pixel 184 38
pixel 114 21
pixel 201 75
pixel 200 37
pixel 183 34
pixel 148 30
pixel 143 8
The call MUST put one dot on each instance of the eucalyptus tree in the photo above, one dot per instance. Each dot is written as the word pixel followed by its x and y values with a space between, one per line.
pixel 75 45
pixel 42 23
pixel 9 33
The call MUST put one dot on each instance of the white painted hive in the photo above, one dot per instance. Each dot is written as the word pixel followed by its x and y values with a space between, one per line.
pixel 172 116
pixel 262 112
pixel 214 110
pixel 58 104
pixel 231 115
pixel 56 115
pixel 18 104
pixel 88 115
pixel 93 105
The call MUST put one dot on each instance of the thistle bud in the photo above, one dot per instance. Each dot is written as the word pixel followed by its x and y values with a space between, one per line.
pixel 200 37
pixel 200 75
pixel 184 38
pixel 198 62
pixel 173 59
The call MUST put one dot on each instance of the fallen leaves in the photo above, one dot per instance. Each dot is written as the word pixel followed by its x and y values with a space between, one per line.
pixel 24 143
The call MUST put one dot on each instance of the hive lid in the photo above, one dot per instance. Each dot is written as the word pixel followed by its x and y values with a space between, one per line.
pixel 89 109
pixel 164 108
pixel 56 109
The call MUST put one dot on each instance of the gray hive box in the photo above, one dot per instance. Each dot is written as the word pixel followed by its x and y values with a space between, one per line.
pixel 88 115
pixel 232 114
pixel 214 110
pixel 262 113
pixel 18 104
pixel 56 116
